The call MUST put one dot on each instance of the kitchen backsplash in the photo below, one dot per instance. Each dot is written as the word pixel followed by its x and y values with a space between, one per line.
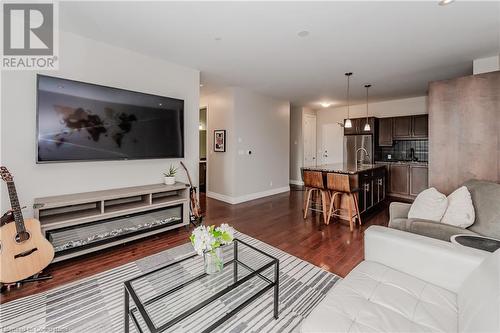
pixel 401 151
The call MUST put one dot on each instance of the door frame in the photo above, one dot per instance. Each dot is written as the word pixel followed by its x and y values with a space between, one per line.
pixel 207 151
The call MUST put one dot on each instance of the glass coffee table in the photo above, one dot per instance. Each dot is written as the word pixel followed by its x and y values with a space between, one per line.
pixel 182 297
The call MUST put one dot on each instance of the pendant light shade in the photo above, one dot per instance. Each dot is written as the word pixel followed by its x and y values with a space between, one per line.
pixel 367 127
pixel 348 122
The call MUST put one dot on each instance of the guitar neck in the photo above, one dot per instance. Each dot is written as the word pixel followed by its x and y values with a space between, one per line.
pixel 16 207
pixel 187 172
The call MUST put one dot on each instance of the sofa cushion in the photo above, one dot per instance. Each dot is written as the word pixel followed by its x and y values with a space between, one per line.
pixel 479 298
pixel 429 204
pixel 374 297
pixel 460 211
pixel 485 198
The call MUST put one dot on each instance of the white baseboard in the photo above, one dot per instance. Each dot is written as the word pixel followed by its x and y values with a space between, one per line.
pixel 246 197
pixel 296 182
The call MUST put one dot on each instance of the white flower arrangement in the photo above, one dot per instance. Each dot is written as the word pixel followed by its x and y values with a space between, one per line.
pixel 207 239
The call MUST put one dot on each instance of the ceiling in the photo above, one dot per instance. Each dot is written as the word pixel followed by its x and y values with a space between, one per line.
pixel 398 47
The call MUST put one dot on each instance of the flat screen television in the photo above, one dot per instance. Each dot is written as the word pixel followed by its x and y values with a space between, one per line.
pixel 79 121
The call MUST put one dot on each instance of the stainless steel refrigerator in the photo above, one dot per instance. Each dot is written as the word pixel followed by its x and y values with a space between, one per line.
pixel 352 143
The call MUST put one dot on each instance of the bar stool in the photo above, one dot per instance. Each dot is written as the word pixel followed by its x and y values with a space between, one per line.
pixel 339 185
pixel 314 184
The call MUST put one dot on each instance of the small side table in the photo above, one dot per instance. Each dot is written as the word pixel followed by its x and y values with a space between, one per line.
pixel 477 242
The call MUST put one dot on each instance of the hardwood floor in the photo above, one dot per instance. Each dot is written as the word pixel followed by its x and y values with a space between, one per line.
pixel 276 220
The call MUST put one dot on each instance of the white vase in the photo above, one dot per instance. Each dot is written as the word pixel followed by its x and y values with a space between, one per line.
pixel 214 262
pixel 169 180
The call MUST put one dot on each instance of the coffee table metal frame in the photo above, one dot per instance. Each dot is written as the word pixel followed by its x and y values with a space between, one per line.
pixel 129 292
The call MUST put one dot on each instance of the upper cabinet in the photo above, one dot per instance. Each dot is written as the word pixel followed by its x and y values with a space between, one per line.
pixel 402 127
pixel 420 126
pixel 385 131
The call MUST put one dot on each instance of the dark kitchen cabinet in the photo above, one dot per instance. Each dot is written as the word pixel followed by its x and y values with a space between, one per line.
pixel 358 126
pixel 420 126
pixel 371 188
pixel 419 179
pixel 400 180
pixel 352 130
pixel 385 131
pixel 379 185
pixel 402 127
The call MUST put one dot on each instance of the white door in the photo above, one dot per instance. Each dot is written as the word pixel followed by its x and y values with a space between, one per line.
pixel 331 143
pixel 309 137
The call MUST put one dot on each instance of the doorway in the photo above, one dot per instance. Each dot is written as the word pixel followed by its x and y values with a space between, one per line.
pixel 203 151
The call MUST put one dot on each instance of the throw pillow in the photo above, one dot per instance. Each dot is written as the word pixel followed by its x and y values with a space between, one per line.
pixel 430 204
pixel 460 211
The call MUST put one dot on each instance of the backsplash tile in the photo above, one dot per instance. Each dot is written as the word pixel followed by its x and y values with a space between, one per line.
pixel 400 151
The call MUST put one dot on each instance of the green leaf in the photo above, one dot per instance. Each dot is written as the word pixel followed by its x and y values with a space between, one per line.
pixel 226 237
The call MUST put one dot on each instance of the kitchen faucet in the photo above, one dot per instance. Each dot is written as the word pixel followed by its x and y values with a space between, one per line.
pixel 361 160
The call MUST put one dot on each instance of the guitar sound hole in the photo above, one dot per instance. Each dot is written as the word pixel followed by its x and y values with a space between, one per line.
pixel 22 236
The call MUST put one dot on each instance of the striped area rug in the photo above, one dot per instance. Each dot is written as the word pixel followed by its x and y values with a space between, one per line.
pixel 96 304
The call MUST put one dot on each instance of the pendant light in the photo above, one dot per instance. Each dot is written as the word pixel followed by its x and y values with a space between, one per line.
pixel 367 127
pixel 348 122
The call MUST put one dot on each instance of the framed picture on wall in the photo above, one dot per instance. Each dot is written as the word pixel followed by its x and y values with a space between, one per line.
pixel 220 140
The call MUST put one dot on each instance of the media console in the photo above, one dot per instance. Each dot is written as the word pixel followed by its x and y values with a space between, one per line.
pixel 81 223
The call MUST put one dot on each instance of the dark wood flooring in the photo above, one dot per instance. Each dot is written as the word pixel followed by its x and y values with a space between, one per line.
pixel 276 220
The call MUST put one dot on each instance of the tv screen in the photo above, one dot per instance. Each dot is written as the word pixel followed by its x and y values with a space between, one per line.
pixel 79 121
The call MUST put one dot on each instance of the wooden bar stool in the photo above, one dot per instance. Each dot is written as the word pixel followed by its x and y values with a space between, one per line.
pixel 314 184
pixel 340 186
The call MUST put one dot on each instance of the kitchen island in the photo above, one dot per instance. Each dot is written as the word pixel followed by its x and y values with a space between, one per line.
pixel 369 179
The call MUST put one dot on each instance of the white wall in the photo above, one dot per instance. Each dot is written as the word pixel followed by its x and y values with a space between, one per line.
pixel 91 61
pixel 330 134
pixel 220 165
pixel 263 127
pixel 256 123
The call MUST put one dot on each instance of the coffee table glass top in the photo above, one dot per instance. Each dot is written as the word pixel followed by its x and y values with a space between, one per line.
pixel 180 296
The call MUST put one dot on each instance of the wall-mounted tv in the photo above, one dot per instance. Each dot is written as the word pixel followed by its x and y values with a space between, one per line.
pixel 79 121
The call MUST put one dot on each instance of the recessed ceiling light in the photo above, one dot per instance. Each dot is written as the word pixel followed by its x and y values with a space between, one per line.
pixel 445 2
pixel 325 104
pixel 303 33
pixel 160 104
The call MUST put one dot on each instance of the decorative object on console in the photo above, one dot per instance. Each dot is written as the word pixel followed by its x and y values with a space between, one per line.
pixel 429 205
pixel 207 242
pixel 24 250
pixel 169 176
pixel 220 140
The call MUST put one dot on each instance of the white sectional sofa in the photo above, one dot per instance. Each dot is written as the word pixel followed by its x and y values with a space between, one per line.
pixel 412 283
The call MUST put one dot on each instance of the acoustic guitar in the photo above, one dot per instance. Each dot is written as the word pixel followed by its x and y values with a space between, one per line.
pixel 23 249
pixel 195 205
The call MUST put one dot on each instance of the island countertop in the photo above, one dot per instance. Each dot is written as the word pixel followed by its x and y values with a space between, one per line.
pixel 350 169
